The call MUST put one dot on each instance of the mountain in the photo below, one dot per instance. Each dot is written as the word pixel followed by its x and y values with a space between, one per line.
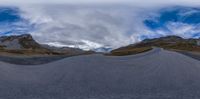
pixel 25 44
pixel 103 49
pixel 66 50
pixel 168 42
pixel 24 41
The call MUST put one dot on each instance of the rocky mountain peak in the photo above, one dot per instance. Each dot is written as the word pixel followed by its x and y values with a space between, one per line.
pixel 24 41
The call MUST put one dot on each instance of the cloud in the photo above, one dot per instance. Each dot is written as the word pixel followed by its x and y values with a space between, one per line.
pixel 83 26
pixel 183 30
pixel 93 26
pixel 178 20
pixel 11 21
pixel 132 2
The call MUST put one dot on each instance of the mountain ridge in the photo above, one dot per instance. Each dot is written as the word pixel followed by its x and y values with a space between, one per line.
pixel 25 44
pixel 169 42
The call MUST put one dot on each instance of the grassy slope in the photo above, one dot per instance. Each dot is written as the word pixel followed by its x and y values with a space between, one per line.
pixel 129 51
pixel 169 43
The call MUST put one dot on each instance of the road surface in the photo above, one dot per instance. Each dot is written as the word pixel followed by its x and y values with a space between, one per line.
pixel 157 74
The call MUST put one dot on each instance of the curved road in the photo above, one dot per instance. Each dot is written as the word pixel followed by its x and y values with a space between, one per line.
pixel 157 74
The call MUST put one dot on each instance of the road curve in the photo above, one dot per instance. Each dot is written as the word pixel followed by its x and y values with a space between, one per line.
pixel 157 74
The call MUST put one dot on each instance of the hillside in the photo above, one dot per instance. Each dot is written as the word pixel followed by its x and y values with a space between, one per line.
pixel 26 45
pixel 169 42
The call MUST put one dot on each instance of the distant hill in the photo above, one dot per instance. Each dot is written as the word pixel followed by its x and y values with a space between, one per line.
pixel 168 42
pixel 25 44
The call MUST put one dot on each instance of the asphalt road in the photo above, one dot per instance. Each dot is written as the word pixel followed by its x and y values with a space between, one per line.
pixel 191 54
pixel 157 74
pixel 31 60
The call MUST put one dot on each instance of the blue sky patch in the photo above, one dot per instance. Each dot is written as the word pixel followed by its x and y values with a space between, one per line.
pixel 184 15
pixel 9 15
pixel 11 22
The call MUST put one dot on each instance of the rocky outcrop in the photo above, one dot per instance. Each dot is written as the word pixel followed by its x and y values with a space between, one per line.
pixel 25 44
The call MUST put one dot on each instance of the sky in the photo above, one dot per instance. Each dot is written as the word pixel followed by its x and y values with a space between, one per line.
pixel 94 24
pixel 140 2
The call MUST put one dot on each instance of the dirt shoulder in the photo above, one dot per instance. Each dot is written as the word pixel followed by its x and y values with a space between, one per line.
pixel 195 55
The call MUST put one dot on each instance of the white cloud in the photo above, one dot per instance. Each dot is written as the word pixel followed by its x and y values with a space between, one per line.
pixel 90 27
pixel 133 2
pixel 85 27
pixel 182 29
pixel 94 24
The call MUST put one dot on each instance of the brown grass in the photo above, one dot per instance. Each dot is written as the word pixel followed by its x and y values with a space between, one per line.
pixel 183 46
pixel 129 51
